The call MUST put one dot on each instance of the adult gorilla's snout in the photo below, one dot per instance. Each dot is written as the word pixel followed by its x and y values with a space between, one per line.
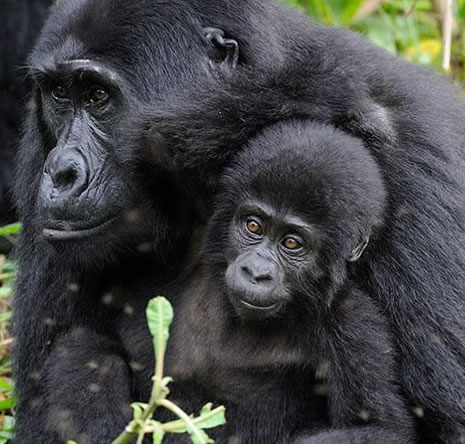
pixel 65 176
pixel 64 179
pixel 67 206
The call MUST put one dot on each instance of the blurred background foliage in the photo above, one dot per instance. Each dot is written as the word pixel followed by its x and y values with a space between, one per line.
pixel 427 32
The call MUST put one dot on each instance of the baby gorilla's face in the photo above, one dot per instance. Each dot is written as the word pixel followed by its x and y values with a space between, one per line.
pixel 297 204
pixel 271 252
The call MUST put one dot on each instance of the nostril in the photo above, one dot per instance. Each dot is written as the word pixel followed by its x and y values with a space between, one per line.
pixel 264 277
pixel 65 178
pixel 246 271
pixel 256 276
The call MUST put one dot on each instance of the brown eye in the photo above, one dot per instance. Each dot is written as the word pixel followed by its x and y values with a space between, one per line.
pixel 59 92
pixel 98 95
pixel 291 243
pixel 254 227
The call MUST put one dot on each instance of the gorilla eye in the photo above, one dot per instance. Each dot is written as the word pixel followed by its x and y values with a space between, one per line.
pixel 254 227
pixel 98 95
pixel 291 243
pixel 59 92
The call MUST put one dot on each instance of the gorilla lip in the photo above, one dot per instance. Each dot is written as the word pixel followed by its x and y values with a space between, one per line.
pixel 259 307
pixel 52 234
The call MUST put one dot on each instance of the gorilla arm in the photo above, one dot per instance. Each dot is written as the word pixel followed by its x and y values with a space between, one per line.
pixel 365 400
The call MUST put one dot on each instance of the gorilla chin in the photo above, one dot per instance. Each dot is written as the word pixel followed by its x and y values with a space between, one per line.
pixel 249 311
pixel 65 231
pixel 104 241
pixel 256 303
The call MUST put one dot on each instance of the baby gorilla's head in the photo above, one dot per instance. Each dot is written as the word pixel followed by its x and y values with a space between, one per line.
pixel 299 203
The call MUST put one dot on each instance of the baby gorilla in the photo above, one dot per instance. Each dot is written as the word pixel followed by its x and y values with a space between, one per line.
pixel 273 326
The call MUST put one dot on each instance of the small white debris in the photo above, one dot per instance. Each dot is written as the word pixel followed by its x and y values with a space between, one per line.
pixel 364 415
pixel 108 299
pixel 128 309
pixel 95 388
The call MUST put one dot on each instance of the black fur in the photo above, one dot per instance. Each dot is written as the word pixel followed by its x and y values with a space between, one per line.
pixel 159 51
pixel 412 122
pixel 152 50
pixel 324 363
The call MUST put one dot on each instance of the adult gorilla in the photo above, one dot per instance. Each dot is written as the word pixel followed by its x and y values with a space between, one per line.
pixel 101 230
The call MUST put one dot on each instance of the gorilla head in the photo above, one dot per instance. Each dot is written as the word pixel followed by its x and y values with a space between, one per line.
pixel 86 191
pixel 298 206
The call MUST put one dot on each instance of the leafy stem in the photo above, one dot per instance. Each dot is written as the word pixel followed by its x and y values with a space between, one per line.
pixel 160 317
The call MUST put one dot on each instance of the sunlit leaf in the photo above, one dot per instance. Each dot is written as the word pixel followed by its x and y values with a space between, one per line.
pixel 158 433
pixel 159 318
pixel 9 230
pixel 5 386
pixel 208 419
pixel 7 404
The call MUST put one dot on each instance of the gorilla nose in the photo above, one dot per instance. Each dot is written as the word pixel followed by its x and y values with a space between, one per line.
pixel 67 172
pixel 257 273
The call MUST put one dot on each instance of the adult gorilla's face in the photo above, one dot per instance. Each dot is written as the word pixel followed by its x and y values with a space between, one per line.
pixel 86 191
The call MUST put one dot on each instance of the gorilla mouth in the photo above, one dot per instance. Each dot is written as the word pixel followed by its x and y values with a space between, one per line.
pixel 65 232
pixel 263 308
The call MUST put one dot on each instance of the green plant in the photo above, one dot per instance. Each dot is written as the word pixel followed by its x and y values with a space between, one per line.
pixel 408 28
pixel 159 318
pixel 7 398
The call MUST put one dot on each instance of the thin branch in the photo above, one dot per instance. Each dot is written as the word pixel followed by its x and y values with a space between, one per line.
pixel 447 35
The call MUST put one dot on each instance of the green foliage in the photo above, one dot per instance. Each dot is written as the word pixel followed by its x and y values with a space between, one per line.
pixel 408 28
pixel 331 12
pixel 159 319
pixel 7 399
pixel 10 230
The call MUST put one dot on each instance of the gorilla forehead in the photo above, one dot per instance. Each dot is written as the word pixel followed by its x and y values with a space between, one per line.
pixel 301 166
pixel 109 30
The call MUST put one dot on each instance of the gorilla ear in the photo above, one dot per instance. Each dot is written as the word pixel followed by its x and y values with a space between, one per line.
pixel 224 52
pixel 358 250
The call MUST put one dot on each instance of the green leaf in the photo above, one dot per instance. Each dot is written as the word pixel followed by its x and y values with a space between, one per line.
pixel 177 426
pixel 461 12
pixel 138 408
pixel 6 276
pixel 71 442
pixel 8 266
pixel 6 436
pixel 321 10
pixel 211 418
pixel 349 11
pixel 199 437
pixel 159 318
pixel 7 404
pixel 8 423
pixel 5 317
pixel 207 419
pixel 8 230
pixel 5 292
pixel 5 386
pixel 158 433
